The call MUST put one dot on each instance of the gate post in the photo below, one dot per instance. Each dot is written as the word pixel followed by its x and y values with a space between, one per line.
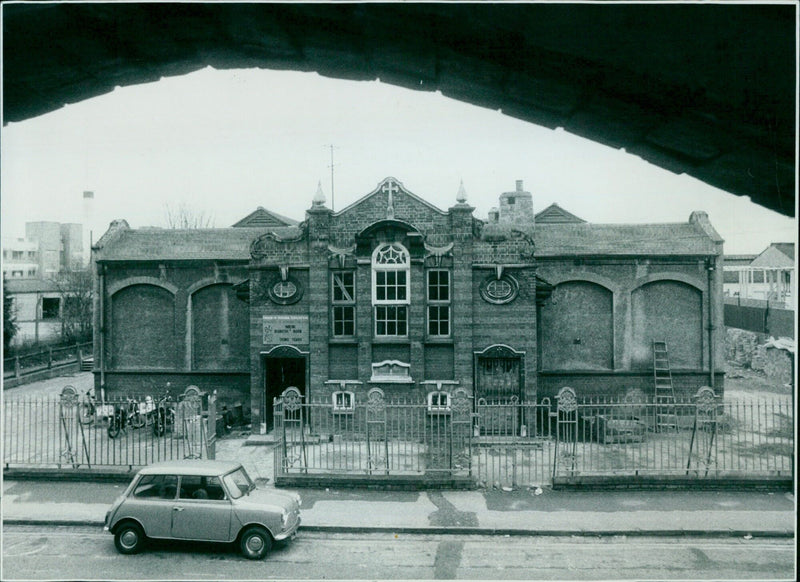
pixel 566 428
pixel 376 417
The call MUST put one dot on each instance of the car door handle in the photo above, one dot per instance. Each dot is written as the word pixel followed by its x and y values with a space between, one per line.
pixel 177 509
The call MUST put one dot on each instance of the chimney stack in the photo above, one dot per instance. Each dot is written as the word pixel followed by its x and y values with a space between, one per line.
pixel 516 207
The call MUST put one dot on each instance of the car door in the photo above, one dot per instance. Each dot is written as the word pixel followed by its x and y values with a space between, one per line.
pixel 204 517
pixel 151 502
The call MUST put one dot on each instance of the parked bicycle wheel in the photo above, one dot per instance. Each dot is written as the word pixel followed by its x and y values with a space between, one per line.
pixel 138 420
pixel 87 413
pixel 163 422
pixel 115 424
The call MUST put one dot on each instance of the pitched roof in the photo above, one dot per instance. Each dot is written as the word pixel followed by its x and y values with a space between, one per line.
pixel 263 218
pixel 31 286
pixel 786 248
pixel 779 255
pixel 737 260
pixel 158 244
pixel 555 214
pixel 685 238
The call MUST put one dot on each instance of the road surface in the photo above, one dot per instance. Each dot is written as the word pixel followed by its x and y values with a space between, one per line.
pixel 87 553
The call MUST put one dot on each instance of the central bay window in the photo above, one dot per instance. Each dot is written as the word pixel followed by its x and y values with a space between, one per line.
pixel 438 303
pixel 343 303
pixel 390 290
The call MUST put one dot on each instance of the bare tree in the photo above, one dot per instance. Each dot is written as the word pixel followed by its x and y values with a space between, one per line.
pixel 184 216
pixel 9 318
pixel 76 289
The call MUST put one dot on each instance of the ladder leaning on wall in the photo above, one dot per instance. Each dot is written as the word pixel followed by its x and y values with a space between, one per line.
pixel 666 419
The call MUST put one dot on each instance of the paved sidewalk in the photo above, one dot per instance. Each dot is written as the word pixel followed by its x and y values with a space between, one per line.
pixel 529 511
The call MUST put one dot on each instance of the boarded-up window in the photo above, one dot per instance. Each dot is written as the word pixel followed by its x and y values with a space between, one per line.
pixel 143 328
pixel 439 362
pixel 343 362
pixel 577 326
pixel 668 311
pixel 220 329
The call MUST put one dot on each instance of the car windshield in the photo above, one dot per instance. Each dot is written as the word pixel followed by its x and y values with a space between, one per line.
pixel 238 483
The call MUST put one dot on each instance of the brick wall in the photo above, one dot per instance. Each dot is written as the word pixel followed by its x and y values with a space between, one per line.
pixel 615 385
pixel 578 328
pixel 146 326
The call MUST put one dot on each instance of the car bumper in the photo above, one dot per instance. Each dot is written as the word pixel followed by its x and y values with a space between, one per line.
pixel 289 532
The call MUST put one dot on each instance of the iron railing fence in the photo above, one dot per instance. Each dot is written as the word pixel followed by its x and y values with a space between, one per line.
pixel 531 443
pixel 25 364
pixel 685 438
pixel 400 437
pixel 73 431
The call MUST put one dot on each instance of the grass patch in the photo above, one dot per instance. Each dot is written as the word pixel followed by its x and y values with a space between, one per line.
pixel 784 428
pixel 767 449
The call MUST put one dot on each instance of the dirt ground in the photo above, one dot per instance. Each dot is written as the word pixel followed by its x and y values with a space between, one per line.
pixel 744 384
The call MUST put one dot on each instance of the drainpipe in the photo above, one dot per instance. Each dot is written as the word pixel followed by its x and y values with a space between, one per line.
pixel 710 267
pixel 102 329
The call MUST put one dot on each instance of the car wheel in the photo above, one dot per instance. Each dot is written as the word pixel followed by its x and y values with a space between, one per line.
pixel 129 538
pixel 255 542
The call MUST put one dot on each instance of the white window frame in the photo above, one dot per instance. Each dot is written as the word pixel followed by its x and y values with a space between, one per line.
pixel 440 304
pixel 343 304
pixel 391 258
pixel 344 401
pixel 435 403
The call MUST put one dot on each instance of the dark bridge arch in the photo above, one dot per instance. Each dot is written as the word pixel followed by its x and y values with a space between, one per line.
pixel 708 90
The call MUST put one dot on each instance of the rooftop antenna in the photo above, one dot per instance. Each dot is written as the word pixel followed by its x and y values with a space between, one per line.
pixel 331 146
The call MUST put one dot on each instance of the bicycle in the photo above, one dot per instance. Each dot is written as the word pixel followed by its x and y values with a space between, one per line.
pixel 88 408
pixel 129 414
pixel 165 416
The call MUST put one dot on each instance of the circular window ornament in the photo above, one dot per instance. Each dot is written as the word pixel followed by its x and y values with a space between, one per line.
pixel 285 292
pixel 499 290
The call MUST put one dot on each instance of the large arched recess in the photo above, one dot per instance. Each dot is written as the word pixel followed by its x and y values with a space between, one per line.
pixel 702 89
pixel 143 327
pixel 671 311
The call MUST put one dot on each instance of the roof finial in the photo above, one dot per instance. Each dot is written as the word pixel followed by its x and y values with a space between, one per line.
pixel 319 197
pixel 461 197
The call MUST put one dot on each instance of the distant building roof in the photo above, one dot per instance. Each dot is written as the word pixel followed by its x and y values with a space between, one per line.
pixel 263 218
pixel 786 248
pixel 737 260
pixel 154 244
pixel 685 238
pixel 555 214
pixel 776 255
pixel 30 286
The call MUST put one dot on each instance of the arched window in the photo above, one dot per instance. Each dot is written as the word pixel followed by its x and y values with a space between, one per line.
pixel 390 289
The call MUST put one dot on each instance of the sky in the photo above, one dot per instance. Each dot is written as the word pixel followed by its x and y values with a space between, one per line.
pixel 225 142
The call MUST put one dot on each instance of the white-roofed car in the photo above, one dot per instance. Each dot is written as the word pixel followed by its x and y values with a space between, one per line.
pixel 200 500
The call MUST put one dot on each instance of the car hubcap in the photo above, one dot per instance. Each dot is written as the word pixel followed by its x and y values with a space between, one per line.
pixel 254 544
pixel 129 539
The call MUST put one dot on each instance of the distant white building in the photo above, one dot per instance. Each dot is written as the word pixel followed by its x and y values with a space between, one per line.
pixel 20 259
pixel 47 249
pixel 60 245
pixel 38 307
pixel 768 276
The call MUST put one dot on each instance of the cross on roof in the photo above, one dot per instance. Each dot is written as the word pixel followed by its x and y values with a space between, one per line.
pixel 390 187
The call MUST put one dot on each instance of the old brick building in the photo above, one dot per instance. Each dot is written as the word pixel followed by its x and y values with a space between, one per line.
pixel 392 292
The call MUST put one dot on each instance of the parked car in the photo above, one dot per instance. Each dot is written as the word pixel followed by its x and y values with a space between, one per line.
pixel 200 500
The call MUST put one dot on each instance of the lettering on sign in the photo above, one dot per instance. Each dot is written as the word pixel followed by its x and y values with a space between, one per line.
pixel 285 329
